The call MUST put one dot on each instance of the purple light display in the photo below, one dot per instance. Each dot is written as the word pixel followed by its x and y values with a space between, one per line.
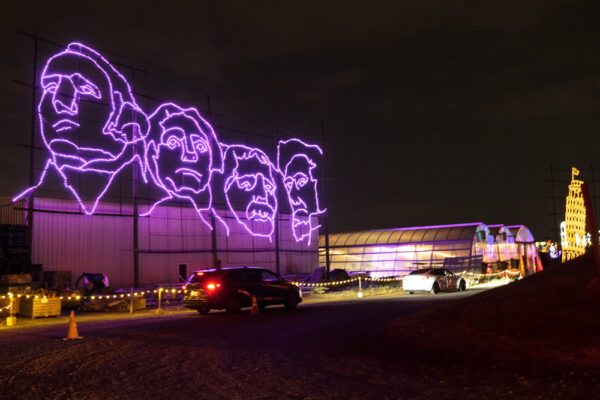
pixel 296 161
pixel 75 81
pixel 182 152
pixel 249 180
pixel 177 150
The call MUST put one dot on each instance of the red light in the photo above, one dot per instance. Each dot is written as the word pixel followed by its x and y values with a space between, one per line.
pixel 213 286
pixel 184 287
pixel 199 273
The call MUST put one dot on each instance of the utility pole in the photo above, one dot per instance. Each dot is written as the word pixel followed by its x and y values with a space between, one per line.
pixel 326 216
pixel 277 259
pixel 213 220
pixel 32 143
pixel 136 249
pixel 593 191
pixel 554 213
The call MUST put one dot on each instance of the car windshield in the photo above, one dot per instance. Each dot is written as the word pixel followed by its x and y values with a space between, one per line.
pixel 420 271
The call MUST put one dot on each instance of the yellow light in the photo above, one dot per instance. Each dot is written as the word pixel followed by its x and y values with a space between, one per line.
pixel 574 220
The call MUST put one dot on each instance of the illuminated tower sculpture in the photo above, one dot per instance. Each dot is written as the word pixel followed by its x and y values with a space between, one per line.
pixel 574 220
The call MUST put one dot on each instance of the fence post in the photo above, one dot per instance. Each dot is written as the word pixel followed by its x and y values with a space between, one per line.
pixel 159 310
pixel 11 320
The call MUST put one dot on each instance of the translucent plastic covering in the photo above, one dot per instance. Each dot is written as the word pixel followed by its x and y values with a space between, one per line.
pixel 397 252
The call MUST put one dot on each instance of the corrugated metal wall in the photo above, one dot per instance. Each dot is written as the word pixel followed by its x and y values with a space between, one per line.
pixel 12 213
pixel 169 237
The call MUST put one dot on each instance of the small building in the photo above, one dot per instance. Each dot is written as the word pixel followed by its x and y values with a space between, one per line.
pixel 462 247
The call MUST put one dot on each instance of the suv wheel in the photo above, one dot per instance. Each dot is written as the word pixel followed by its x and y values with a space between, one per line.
pixel 204 310
pixel 291 301
pixel 435 289
pixel 234 305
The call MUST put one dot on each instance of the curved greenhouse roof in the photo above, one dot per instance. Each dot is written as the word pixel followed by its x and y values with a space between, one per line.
pixel 423 234
pixel 461 247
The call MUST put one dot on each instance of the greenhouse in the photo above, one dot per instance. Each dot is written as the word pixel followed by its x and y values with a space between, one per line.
pixel 472 247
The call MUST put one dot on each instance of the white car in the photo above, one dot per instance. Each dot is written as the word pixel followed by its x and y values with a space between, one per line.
pixel 433 280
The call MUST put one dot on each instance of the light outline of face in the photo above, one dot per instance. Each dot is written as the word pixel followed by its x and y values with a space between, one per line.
pixel 299 181
pixel 172 136
pixel 83 89
pixel 99 160
pixel 293 185
pixel 192 147
pixel 266 198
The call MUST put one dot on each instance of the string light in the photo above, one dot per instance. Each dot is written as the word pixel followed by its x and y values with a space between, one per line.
pixel 145 293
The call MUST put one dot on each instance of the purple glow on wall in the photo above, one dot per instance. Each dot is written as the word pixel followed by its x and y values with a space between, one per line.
pixel 296 161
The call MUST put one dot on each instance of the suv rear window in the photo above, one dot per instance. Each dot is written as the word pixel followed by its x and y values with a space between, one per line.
pixel 200 277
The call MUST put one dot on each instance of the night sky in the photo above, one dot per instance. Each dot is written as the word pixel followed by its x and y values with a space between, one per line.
pixel 434 111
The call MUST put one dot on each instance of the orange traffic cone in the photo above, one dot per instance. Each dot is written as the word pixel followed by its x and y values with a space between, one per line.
pixel 72 332
pixel 254 306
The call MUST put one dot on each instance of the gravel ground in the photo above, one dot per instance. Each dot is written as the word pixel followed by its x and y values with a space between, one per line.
pixel 528 340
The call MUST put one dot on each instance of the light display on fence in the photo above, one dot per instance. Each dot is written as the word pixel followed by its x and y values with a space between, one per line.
pixel 177 150
pixel 574 240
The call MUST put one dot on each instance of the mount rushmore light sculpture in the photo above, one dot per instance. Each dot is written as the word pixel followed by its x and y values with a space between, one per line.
pixel 82 91
pixel 92 128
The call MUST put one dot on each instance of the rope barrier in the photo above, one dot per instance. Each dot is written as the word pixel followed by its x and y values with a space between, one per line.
pixel 297 283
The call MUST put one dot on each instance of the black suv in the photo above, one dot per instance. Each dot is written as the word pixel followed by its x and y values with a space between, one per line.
pixel 233 288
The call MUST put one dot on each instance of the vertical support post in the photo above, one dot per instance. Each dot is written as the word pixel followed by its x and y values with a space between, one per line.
pixel 32 146
pixel 11 320
pixel 326 216
pixel 131 301
pixel 360 293
pixel 591 223
pixel 555 227
pixel 593 189
pixel 136 250
pixel 213 220
pixel 159 309
pixel 277 219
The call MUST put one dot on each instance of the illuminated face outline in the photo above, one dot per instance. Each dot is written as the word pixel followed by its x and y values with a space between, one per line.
pixel 250 178
pixel 182 154
pixel 296 167
pixel 65 92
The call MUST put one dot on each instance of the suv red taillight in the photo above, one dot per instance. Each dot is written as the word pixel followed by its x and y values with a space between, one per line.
pixel 183 287
pixel 212 286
